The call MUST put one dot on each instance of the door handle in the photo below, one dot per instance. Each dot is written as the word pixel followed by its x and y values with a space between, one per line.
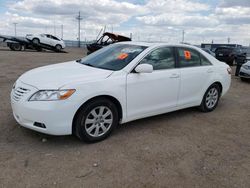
pixel 210 71
pixel 174 75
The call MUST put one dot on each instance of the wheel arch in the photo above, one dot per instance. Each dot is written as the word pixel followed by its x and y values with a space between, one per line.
pixel 109 97
pixel 219 84
pixel 36 38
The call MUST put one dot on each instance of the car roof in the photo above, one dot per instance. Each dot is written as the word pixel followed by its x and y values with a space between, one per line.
pixel 152 44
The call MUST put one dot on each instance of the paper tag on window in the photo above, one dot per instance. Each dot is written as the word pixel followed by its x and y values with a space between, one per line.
pixel 122 56
pixel 187 55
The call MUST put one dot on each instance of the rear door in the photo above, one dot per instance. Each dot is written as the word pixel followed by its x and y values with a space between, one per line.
pixel 196 73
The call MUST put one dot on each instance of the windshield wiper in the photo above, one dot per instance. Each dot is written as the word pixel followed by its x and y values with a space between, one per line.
pixel 88 64
pixel 80 61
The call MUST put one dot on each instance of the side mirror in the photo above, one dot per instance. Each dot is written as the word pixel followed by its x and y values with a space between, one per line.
pixel 144 68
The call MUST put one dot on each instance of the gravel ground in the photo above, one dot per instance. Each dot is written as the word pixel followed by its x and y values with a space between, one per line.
pixel 186 148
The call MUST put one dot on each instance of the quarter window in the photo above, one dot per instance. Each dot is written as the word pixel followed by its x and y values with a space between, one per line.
pixel 161 58
pixel 204 61
pixel 188 57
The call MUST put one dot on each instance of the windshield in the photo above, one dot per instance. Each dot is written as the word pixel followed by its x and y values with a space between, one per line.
pixel 114 57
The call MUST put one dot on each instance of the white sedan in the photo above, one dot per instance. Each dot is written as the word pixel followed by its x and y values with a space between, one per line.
pixel 244 73
pixel 48 40
pixel 117 84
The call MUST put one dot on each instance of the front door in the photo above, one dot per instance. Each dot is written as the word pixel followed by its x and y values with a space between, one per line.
pixel 153 93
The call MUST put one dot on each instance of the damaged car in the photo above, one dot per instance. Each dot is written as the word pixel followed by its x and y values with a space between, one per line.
pixel 105 40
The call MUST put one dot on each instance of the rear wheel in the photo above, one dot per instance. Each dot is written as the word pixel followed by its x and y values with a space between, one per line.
pixel 16 46
pixel 244 79
pixel 210 98
pixel 96 120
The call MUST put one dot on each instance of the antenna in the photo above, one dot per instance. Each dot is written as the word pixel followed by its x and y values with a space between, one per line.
pixel 79 18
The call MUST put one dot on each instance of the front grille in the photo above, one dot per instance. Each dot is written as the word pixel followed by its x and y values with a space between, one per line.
pixel 19 92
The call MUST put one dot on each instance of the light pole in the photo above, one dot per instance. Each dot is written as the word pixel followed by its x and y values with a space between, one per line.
pixel 62 31
pixel 183 36
pixel 15 28
pixel 79 18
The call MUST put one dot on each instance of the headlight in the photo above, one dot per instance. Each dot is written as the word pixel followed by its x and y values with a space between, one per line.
pixel 246 66
pixel 14 86
pixel 51 95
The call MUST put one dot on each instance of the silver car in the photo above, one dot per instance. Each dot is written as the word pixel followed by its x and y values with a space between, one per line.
pixel 245 71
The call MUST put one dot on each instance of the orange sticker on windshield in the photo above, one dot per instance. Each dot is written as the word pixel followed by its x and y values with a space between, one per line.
pixel 187 55
pixel 122 56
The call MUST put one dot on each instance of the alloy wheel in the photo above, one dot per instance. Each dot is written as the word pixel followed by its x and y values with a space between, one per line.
pixel 212 97
pixel 98 121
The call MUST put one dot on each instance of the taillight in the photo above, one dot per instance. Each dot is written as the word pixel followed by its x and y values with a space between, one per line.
pixel 229 70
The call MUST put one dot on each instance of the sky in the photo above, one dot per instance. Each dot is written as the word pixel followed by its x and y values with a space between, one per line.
pixel 202 21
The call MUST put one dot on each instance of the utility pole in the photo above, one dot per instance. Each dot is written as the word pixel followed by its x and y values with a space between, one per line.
pixel 228 40
pixel 62 31
pixel 183 36
pixel 15 28
pixel 54 27
pixel 79 18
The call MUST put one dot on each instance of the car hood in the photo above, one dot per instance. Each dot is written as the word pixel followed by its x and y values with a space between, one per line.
pixel 58 75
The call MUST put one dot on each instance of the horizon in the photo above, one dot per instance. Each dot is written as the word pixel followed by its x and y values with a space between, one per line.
pixel 220 21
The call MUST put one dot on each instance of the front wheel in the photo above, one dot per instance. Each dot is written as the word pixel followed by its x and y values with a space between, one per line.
pixel 36 41
pixel 210 98
pixel 96 120
pixel 58 47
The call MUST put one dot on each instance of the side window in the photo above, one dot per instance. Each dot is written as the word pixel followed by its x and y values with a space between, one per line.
pixel 188 57
pixel 55 38
pixel 161 58
pixel 204 61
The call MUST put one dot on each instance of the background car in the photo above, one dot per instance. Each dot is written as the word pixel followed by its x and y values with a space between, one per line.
pixel 117 84
pixel 105 40
pixel 230 55
pixel 244 73
pixel 209 51
pixel 47 39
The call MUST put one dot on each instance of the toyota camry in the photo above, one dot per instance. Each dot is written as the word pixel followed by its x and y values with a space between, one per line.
pixel 123 82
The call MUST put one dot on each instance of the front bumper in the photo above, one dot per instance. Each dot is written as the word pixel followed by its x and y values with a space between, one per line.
pixel 244 73
pixel 57 116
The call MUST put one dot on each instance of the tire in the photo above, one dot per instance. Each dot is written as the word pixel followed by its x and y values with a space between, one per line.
pixel 96 120
pixel 36 41
pixel 58 47
pixel 244 79
pixel 16 47
pixel 211 98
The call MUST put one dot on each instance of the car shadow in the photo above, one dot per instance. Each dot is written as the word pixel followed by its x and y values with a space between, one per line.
pixel 137 125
